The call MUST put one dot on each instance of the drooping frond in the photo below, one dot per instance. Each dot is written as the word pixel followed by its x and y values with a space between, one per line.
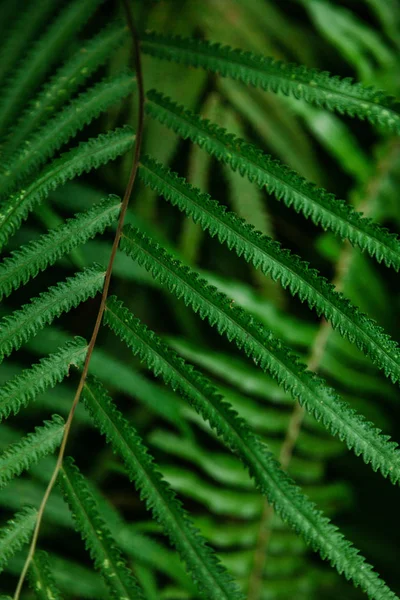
pixel 282 493
pixel 321 207
pixel 41 578
pixel 94 531
pixel 39 61
pixel 208 574
pixel 268 352
pixel 80 112
pixel 30 449
pixel 280 264
pixel 17 328
pixel 86 156
pixel 16 393
pixel 15 534
pixel 29 260
pixel 314 86
pixel 65 82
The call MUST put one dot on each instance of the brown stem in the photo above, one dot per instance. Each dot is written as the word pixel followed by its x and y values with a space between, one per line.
pixel 107 279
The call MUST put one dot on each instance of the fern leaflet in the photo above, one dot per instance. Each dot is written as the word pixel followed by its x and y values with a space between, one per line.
pixel 49 371
pixel 30 449
pixel 315 203
pixel 285 496
pixel 279 263
pixel 29 260
pixel 208 574
pixel 80 112
pixel 268 352
pixel 16 533
pixel 41 578
pixel 86 156
pixel 103 549
pixel 22 324
pixel 314 86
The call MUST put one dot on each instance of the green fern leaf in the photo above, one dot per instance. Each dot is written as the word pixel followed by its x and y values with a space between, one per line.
pixel 208 574
pixel 41 58
pixel 49 371
pixel 22 324
pixel 29 260
pixel 279 263
pixel 80 112
pixel 16 533
pixel 267 352
pixel 315 203
pixel 41 578
pixel 64 83
pixel 86 156
pixel 103 549
pixel 30 449
pixel 282 493
pixel 312 85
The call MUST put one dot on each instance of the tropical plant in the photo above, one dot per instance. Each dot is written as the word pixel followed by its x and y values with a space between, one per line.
pixel 251 473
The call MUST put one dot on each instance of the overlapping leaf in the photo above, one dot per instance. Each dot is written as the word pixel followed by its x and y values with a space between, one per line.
pixel 208 574
pixel 266 351
pixel 280 264
pixel 17 328
pixel 103 549
pixel 85 157
pixel 314 86
pixel 26 262
pixel 282 493
pixel 315 203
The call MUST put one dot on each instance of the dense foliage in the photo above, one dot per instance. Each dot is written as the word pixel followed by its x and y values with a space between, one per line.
pixel 236 433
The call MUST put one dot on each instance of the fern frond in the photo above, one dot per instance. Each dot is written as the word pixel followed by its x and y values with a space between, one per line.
pixel 80 112
pixel 65 82
pixel 16 533
pixel 42 57
pixel 282 493
pixel 17 328
pixel 103 549
pixel 81 159
pixel 30 449
pixel 29 260
pixel 280 264
pixel 321 207
pixel 41 579
pixel 208 574
pixel 315 86
pixel 19 391
pixel 268 352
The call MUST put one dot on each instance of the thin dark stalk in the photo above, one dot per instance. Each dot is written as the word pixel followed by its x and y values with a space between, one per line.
pixel 107 279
